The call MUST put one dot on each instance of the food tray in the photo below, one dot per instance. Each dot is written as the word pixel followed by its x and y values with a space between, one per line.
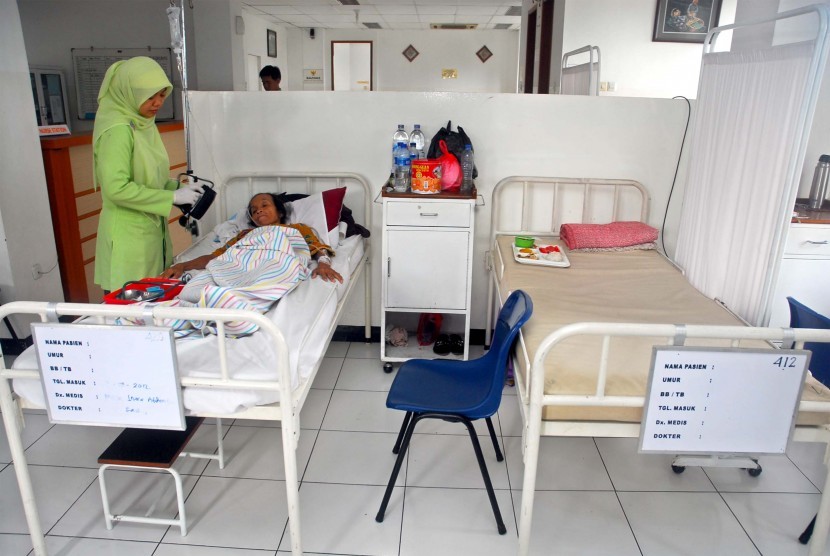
pixel 542 258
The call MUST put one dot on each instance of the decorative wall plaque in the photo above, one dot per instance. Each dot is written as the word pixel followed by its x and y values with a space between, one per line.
pixel 410 53
pixel 484 54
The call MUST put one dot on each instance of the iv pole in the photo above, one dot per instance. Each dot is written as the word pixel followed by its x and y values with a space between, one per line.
pixel 178 41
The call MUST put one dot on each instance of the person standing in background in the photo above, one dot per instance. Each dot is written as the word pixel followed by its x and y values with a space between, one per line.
pixel 271 77
pixel 131 166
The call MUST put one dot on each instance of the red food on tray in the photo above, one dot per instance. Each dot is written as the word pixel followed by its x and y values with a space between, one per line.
pixel 146 289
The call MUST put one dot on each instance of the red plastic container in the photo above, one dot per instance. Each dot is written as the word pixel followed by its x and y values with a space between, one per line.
pixel 170 289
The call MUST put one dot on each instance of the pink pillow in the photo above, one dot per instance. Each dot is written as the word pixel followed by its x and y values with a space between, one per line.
pixel 321 211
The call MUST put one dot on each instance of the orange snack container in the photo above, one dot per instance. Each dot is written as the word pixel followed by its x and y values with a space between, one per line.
pixel 426 176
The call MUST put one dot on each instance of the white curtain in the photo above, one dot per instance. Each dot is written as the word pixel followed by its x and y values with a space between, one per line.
pixel 747 131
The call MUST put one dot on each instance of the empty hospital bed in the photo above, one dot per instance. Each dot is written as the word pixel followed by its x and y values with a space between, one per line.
pixel 266 375
pixel 583 361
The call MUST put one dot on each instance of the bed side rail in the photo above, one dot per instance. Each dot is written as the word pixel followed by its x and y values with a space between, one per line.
pixel 103 314
pixel 674 335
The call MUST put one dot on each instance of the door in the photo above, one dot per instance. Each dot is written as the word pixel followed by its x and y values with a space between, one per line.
pixel 351 63
pixel 426 269
pixel 252 73
pixel 545 48
pixel 530 50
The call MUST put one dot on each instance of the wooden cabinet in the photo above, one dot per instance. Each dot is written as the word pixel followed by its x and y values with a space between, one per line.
pixel 427 254
pixel 75 206
pixel 804 271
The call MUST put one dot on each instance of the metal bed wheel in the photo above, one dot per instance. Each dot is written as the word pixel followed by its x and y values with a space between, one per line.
pixel 387 368
pixel 678 468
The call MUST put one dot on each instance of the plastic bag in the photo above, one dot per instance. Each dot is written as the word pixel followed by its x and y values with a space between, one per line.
pixel 451 174
pixel 455 141
pixel 429 326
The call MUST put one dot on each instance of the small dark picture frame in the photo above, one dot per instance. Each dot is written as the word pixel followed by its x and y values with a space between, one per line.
pixel 685 20
pixel 272 44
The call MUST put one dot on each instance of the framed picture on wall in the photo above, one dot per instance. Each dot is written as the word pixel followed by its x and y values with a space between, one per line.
pixel 272 43
pixel 685 20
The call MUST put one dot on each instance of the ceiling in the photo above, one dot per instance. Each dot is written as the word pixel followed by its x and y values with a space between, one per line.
pixel 390 14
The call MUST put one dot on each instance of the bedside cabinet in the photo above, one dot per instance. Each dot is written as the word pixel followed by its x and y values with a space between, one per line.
pixel 803 273
pixel 427 257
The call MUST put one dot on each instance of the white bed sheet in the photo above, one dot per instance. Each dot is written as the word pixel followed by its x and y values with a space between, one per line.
pixel 304 317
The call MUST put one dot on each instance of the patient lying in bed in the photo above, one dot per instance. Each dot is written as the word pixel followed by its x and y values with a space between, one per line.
pixel 266 209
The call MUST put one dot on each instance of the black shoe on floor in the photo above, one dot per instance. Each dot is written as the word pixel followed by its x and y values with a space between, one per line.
pixel 442 345
pixel 456 344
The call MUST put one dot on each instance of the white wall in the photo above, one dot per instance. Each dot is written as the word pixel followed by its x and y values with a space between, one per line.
pixel 52 28
pixel 513 134
pixel 438 50
pixel 255 42
pixel 638 66
pixel 26 236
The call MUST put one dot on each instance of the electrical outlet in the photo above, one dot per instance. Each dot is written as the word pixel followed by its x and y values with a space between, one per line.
pixel 603 85
pixel 612 86
pixel 36 273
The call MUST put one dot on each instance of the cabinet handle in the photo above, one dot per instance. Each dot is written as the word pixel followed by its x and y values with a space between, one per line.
pixel 816 242
pixel 388 267
pixel 429 214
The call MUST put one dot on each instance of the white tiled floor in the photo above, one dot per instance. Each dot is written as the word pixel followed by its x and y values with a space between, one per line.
pixel 595 495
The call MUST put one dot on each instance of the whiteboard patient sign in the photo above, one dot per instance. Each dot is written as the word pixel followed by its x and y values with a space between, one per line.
pixel 118 376
pixel 722 401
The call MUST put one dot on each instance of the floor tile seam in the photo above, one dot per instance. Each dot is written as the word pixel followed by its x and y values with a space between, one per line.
pixel 251 550
pixel 604 465
pixel 818 487
pixel 481 488
pixel 349 483
pixel 88 537
pixel 628 522
pixel 767 492
pixel 741 525
pixel 69 507
pixel 538 490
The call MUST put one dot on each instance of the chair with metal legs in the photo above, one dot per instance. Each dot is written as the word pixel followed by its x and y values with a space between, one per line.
pixel 458 392
pixel 802 316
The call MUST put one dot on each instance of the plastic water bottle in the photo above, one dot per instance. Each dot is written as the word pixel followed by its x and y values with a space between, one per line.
pixel 400 137
pixel 403 168
pixel 467 165
pixel 417 137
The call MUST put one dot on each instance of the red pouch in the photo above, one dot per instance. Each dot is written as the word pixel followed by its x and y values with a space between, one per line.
pixel 429 326
pixel 157 289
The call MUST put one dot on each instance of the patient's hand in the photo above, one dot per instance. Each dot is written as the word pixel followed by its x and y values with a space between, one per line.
pixel 174 272
pixel 326 272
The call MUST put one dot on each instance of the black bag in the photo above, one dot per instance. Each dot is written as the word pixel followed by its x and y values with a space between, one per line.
pixel 455 141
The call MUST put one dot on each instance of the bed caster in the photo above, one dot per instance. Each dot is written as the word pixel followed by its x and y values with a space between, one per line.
pixel 387 368
pixel 678 468
pixel 754 471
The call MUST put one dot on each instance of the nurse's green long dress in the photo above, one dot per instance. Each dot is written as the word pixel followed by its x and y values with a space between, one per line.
pixel 132 168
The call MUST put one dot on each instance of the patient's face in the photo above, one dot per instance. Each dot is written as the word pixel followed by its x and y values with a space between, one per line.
pixel 263 211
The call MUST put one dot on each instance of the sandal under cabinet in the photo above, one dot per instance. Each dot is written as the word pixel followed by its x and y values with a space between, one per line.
pixel 427 252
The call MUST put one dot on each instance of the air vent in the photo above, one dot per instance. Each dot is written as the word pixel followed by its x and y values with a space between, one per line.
pixel 502 26
pixel 514 11
pixel 349 2
pixel 453 26
pixel 372 25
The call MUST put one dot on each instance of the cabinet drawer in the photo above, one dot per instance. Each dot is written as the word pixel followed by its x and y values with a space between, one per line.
pixel 439 214
pixel 809 240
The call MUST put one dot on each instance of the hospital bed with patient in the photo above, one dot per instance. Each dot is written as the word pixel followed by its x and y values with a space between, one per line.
pixel 582 362
pixel 264 375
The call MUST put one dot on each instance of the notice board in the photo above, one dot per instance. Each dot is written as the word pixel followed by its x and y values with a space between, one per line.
pixel 108 375
pixel 722 401
pixel 91 64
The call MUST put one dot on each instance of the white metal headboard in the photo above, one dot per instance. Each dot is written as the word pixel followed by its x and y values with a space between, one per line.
pixel 236 190
pixel 571 200
pixel 592 67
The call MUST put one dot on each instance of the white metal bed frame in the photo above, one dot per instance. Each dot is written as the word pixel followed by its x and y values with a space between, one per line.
pixel 288 413
pixel 592 63
pixel 532 397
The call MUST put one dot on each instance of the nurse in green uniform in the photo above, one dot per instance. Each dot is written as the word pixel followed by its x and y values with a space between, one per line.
pixel 132 169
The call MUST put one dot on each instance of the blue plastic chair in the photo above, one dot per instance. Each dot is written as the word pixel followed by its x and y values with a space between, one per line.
pixel 802 316
pixel 458 392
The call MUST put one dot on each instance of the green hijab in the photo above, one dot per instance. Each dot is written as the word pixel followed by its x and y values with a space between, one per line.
pixel 126 86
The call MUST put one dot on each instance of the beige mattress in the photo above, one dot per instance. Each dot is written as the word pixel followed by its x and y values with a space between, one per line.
pixel 627 286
